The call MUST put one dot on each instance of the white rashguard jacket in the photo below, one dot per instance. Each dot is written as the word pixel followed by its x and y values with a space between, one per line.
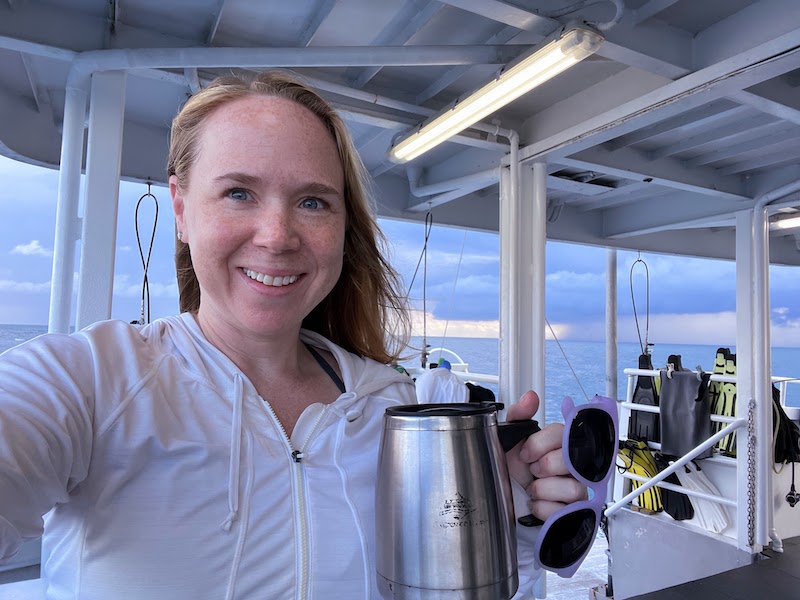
pixel 169 478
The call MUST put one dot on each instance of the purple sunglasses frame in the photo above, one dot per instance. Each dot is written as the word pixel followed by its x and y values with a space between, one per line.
pixel 599 489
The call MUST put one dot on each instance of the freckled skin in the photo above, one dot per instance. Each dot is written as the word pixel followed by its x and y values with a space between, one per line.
pixel 265 194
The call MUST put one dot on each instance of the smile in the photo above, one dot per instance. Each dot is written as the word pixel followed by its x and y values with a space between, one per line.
pixel 269 279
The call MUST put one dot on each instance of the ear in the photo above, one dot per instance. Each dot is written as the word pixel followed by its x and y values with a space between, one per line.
pixel 178 206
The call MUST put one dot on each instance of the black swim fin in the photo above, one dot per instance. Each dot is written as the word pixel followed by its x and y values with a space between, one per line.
pixel 677 505
pixel 644 425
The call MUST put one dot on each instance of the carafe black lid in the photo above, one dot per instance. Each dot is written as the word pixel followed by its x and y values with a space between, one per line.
pixel 455 409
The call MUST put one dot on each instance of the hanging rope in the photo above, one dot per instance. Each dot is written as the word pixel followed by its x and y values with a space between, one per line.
pixel 645 346
pixel 564 354
pixel 453 291
pixel 145 305
pixel 423 257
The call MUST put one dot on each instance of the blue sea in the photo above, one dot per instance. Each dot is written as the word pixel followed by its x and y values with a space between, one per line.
pixel 586 358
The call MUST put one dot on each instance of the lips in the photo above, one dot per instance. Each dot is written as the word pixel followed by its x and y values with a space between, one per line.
pixel 270 280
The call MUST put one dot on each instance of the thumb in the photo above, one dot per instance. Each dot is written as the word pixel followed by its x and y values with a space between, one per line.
pixel 525 408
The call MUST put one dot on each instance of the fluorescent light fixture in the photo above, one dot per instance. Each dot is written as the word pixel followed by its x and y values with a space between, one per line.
pixel 786 223
pixel 570 47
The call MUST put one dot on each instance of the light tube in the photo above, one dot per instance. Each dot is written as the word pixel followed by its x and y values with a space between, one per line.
pixel 542 64
pixel 786 223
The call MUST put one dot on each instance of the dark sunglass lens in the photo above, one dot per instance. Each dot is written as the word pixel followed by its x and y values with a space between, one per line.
pixel 568 539
pixel 592 443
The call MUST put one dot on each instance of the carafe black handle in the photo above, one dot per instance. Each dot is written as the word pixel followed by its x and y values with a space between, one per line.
pixel 512 433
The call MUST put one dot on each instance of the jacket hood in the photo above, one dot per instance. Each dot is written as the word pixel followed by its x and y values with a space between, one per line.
pixel 361 376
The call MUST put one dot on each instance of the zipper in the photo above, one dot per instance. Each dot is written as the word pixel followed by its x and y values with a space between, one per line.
pixel 301 500
pixel 297 457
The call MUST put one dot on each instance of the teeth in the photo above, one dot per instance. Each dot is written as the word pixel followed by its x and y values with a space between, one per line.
pixel 269 279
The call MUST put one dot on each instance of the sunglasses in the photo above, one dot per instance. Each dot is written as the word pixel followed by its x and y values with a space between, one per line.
pixel 590 447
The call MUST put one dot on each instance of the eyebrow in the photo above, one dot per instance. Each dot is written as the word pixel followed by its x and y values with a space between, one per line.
pixel 314 187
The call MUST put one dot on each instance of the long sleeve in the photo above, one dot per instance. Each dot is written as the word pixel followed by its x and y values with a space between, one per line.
pixel 526 544
pixel 46 417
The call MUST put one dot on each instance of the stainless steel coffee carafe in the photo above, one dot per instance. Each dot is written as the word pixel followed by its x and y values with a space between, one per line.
pixel 444 511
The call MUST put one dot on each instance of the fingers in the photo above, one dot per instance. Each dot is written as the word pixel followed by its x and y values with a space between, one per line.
pixel 552 494
pixel 525 408
pixel 541 444
pixel 561 490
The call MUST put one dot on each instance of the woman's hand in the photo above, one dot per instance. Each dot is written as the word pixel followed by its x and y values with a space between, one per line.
pixel 537 463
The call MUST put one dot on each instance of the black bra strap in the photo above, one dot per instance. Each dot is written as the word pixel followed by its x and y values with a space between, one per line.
pixel 327 368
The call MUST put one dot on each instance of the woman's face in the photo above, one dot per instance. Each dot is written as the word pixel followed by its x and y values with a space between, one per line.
pixel 264 215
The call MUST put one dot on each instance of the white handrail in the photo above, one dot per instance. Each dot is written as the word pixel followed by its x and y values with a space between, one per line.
pixel 676 465
pixel 682 490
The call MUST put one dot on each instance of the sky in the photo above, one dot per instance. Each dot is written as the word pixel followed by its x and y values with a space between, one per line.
pixel 692 301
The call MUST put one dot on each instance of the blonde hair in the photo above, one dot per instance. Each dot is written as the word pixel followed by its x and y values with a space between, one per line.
pixel 365 313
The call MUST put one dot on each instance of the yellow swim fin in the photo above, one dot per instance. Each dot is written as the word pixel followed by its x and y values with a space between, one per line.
pixel 715 389
pixel 727 406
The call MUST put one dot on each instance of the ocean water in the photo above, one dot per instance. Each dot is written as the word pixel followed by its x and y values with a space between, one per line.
pixel 586 358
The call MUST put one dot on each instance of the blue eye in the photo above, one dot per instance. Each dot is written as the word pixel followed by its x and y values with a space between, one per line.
pixel 311 203
pixel 238 194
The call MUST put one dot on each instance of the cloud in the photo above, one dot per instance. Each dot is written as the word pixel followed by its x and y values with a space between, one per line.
pixel 32 248
pixel 125 288
pixel 24 286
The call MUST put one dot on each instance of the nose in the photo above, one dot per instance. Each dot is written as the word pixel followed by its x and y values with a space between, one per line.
pixel 276 228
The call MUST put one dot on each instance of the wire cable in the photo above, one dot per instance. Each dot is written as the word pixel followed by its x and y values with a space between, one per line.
pixel 646 345
pixel 145 305
pixel 564 354
pixel 423 257
pixel 453 291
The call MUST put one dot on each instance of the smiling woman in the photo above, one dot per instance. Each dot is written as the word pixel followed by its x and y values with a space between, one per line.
pixel 244 431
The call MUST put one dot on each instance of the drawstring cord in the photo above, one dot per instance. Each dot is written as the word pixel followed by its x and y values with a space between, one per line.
pixel 236 445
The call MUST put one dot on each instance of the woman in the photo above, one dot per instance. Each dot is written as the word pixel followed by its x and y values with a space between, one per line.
pixel 230 452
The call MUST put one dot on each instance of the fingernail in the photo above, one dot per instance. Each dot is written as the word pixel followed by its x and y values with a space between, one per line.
pixel 524 456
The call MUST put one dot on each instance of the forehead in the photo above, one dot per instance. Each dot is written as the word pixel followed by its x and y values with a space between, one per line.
pixel 267 132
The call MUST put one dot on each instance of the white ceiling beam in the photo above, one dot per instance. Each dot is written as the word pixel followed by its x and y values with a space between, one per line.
pixel 651 9
pixel 318 16
pixel 26 64
pixel 631 164
pixel 752 141
pixel 709 113
pixel 216 18
pixel 773 58
pixel 409 19
pixel 767 106
pixel 658 214
pixel 779 154
pixel 452 75
pixel 622 194
pixel 575 187
pixel 751 27
pixel 720 133
pixel 503 12
pixel 654 48
pixel 622 200
pixel 393 122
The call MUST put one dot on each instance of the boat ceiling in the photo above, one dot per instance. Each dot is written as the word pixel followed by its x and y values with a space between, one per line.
pixel 687 114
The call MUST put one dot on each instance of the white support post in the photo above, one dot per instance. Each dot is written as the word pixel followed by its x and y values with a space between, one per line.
pixel 101 197
pixel 509 273
pixel 67 224
pixel 611 324
pixel 744 367
pixel 526 289
pixel 507 333
pixel 536 228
